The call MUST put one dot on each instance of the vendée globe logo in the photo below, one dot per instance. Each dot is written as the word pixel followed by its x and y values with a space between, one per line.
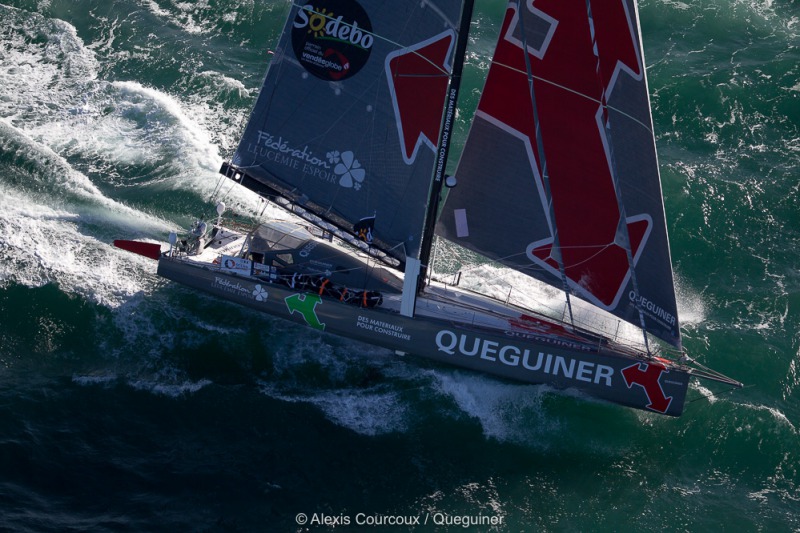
pixel 332 39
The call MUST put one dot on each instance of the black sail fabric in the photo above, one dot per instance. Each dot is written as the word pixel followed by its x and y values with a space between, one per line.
pixel 348 118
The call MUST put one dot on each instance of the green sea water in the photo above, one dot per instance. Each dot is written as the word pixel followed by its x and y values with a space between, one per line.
pixel 130 403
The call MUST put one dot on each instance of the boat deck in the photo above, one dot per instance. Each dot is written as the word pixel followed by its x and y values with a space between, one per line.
pixel 438 301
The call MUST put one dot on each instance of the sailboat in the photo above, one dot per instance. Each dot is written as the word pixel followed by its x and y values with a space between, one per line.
pixel 558 180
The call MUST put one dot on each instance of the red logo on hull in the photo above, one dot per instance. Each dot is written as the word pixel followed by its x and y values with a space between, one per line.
pixel 647 376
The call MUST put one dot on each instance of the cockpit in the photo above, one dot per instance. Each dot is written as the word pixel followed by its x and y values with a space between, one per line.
pixel 289 247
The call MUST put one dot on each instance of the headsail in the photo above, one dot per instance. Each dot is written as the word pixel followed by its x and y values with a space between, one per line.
pixel 347 120
pixel 561 211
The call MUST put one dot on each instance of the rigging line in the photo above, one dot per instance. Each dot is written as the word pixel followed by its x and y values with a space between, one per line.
pixel 577 93
pixel 502 261
pixel 240 127
pixel 587 246
pixel 573 265
pixel 713 394
pixel 221 182
pixel 371 266
pixel 554 311
pixel 623 225
pixel 548 312
pixel 217 188
pixel 543 161
pixel 230 190
pixel 263 209
pixel 503 278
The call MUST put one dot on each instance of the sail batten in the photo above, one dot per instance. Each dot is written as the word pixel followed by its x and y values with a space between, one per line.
pixel 572 188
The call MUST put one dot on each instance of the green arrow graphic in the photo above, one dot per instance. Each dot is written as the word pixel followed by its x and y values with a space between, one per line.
pixel 306 305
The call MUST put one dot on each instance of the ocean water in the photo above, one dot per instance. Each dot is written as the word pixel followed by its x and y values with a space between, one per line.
pixel 130 403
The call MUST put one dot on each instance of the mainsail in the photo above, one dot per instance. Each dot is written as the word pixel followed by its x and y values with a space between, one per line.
pixel 348 118
pixel 559 176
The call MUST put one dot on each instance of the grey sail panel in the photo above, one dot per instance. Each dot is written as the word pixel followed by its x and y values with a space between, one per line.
pixel 347 120
pixel 560 211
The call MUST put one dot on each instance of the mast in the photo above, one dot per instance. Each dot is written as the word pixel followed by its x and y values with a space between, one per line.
pixel 444 143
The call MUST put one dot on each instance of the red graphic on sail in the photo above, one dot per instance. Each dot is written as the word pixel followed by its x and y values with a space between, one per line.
pixel 418 79
pixel 569 89
pixel 647 376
